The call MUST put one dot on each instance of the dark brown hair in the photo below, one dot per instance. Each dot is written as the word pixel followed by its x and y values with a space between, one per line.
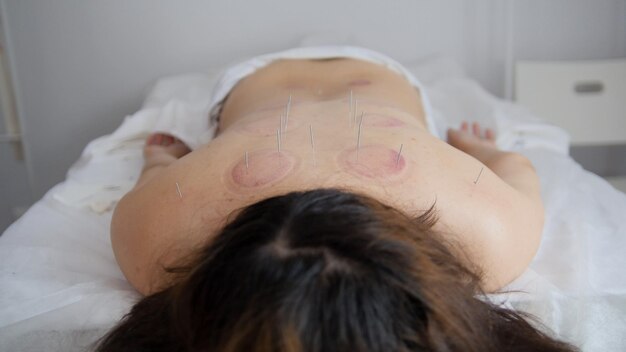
pixel 325 270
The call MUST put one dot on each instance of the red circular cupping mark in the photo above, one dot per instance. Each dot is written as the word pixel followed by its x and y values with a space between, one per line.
pixel 373 162
pixel 263 168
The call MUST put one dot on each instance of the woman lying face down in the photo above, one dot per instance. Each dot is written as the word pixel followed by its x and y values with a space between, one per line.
pixel 325 216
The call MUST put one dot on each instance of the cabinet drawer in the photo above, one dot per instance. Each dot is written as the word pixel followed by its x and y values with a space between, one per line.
pixel 586 98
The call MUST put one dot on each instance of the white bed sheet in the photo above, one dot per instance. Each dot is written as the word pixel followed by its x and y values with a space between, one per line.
pixel 60 287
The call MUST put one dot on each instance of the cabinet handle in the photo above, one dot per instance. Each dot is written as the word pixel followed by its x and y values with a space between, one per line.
pixel 589 87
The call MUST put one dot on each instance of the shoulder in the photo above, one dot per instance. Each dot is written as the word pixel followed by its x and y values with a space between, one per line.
pixel 498 225
pixel 521 222
pixel 128 232
pixel 152 229
pixel 143 238
pixel 511 239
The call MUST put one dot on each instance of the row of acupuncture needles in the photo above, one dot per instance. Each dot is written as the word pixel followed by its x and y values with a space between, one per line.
pixel 352 114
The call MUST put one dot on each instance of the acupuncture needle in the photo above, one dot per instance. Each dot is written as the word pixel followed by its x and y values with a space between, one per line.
pixel 399 153
pixel 480 173
pixel 358 139
pixel 350 112
pixel 287 113
pixel 178 190
pixel 312 144
pixel 278 143
pixel 356 105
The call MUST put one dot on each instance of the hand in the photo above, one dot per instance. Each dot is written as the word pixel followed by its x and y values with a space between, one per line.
pixel 467 140
pixel 160 151
pixel 160 144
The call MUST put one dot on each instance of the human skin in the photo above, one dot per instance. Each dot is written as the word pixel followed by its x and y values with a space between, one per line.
pixel 487 200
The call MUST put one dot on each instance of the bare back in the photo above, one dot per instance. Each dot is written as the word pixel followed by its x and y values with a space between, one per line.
pixel 325 141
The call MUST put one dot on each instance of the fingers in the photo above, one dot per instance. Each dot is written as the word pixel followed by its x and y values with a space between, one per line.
pixel 490 135
pixel 168 140
pixel 476 130
pixel 160 144
pixel 154 139
pixel 470 136
pixel 161 139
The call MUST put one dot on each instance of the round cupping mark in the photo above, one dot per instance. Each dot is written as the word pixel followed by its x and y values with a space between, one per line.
pixel 374 162
pixel 263 168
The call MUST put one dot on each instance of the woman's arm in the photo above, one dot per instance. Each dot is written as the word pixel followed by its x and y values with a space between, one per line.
pixel 130 219
pixel 514 246
pixel 513 168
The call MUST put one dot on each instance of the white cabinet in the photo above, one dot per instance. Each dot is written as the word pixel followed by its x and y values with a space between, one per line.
pixel 587 98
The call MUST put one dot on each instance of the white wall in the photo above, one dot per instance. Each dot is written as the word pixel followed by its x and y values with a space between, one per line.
pixel 81 66
pixel 15 190
pixel 569 29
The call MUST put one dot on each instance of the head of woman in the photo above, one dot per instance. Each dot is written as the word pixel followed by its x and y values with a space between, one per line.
pixel 325 270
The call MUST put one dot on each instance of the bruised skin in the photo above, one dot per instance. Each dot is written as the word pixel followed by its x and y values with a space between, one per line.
pixel 269 167
pixel 374 162
pixel 215 182
pixel 265 168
